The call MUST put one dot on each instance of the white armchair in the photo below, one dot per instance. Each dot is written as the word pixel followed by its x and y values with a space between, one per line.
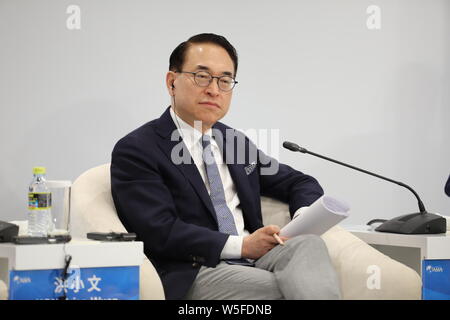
pixel 354 260
pixel 92 209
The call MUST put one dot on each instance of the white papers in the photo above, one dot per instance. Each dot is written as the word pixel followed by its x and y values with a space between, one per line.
pixel 316 219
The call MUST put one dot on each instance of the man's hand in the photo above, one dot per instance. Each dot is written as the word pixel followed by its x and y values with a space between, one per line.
pixel 260 242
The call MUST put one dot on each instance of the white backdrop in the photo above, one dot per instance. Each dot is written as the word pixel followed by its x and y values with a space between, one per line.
pixel 314 70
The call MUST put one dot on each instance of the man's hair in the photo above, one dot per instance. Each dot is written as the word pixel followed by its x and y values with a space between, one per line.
pixel 178 55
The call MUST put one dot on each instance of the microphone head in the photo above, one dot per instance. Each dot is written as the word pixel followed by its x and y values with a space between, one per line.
pixel 291 146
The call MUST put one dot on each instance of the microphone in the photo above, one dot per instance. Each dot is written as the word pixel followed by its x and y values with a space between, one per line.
pixel 422 222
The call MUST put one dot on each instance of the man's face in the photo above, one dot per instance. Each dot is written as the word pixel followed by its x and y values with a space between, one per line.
pixel 207 104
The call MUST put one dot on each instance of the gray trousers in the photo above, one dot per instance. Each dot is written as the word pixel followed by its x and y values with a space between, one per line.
pixel 299 270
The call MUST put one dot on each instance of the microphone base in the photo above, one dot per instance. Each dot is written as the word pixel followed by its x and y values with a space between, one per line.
pixel 415 223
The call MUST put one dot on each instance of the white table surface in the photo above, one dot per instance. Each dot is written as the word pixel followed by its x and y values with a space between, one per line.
pixel 85 254
pixel 433 246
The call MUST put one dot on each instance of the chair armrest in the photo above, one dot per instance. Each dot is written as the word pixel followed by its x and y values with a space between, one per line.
pixel 366 273
pixel 3 291
pixel 150 285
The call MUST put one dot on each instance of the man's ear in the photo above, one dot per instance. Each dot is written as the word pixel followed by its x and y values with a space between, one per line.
pixel 170 79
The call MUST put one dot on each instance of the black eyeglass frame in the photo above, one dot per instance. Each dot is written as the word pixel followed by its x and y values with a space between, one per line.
pixel 211 80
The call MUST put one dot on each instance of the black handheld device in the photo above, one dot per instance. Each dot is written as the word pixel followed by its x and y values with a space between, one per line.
pixel 111 236
pixel 42 240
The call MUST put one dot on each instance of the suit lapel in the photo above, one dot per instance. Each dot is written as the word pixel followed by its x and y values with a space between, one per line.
pixel 164 128
pixel 237 171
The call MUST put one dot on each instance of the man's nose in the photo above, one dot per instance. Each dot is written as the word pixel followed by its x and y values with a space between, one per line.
pixel 213 87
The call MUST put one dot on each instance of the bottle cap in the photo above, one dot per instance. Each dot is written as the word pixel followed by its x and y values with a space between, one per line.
pixel 39 170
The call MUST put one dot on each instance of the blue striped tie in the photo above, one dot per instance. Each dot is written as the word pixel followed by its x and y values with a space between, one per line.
pixel 224 216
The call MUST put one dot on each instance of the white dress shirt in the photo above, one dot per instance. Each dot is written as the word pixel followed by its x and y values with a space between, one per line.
pixel 192 140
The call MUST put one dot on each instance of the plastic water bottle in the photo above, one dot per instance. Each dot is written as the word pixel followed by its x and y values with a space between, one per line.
pixel 39 205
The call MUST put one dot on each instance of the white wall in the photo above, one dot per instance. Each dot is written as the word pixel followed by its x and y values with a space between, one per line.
pixel 312 69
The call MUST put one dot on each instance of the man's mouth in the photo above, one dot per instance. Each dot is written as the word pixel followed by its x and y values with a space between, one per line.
pixel 210 104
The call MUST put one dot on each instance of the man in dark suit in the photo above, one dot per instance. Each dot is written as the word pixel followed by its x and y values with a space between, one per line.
pixel 190 186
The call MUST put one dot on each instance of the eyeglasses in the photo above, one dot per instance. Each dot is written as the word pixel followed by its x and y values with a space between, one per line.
pixel 204 79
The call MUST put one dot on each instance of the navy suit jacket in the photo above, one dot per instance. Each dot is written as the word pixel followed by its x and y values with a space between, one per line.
pixel 167 205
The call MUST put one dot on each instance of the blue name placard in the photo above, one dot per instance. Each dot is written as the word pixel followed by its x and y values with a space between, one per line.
pixel 109 283
pixel 436 279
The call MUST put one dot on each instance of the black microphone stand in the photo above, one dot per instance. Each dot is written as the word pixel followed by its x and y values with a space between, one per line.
pixel 422 222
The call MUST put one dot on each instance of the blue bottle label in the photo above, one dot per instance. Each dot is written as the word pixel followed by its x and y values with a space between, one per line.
pixel 39 200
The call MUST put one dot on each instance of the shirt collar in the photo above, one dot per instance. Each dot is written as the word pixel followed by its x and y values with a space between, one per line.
pixel 190 135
